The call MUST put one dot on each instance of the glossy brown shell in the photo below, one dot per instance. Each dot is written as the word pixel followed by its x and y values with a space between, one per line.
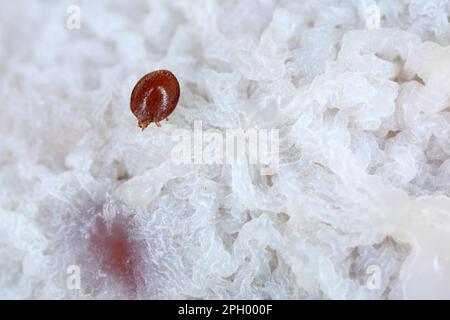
pixel 154 97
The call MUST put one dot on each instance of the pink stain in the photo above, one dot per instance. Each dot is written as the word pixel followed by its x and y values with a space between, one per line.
pixel 116 251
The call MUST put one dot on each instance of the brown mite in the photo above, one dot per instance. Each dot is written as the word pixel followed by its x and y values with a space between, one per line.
pixel 154 97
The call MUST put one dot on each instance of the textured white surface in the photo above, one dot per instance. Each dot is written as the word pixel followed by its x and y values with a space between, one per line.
pixel 364 121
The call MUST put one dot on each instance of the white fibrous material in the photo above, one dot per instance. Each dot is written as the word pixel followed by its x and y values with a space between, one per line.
pixel 91 207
